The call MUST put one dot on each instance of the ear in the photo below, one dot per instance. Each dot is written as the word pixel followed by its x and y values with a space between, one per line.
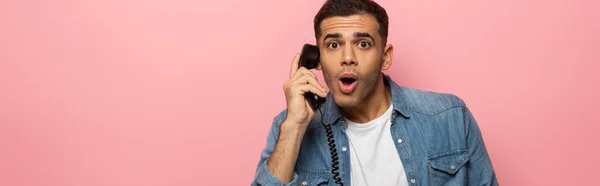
pixel 388 53
pixel 318 66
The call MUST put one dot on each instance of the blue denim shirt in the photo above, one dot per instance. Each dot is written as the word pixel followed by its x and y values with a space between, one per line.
pixel 436 137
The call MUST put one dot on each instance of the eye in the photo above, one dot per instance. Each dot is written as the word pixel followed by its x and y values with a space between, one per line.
pixel 333 45
pixel 364 44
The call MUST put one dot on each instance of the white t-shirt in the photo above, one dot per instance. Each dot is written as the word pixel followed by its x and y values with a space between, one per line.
pixel 373 157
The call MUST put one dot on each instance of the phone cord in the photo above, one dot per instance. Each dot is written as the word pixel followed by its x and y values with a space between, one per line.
pixel 333 151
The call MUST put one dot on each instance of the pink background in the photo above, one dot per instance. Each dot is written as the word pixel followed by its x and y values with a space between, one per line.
pixel 178 92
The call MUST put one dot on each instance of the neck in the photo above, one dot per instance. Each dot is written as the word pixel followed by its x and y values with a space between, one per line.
pixel 373 106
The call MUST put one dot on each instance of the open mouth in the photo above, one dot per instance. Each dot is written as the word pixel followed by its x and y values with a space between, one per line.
pixel 347 83
pixel 347 80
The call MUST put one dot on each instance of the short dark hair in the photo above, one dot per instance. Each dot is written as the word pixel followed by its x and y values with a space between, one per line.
pixel 333 8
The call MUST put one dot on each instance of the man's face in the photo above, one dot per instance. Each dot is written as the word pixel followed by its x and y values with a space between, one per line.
pixel 352 54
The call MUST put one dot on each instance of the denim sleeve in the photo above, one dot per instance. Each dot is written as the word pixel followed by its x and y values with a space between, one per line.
pixel 480 170
pixel 263 176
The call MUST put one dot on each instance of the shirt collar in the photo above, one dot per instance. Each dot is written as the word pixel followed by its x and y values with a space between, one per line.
pixel 332 111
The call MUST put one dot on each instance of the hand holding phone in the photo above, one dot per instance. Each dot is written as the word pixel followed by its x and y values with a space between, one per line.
pixel 304 94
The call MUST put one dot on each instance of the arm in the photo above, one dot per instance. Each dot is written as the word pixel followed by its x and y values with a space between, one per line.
pixel 278 159
pixel 285 153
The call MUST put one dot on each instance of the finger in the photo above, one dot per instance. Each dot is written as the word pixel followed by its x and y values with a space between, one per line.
pixel 309 80
pixel 294 66
pixel 302 71
pixel 301 89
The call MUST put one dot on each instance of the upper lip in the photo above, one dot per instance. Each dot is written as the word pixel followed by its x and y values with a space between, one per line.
pixel 348 75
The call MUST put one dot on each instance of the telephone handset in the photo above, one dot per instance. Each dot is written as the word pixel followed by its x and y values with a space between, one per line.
pixel 310 59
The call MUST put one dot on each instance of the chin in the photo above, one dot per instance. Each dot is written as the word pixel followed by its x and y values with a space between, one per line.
pixel 346 100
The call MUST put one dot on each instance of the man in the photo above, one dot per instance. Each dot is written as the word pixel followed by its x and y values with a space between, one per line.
pixel 379 133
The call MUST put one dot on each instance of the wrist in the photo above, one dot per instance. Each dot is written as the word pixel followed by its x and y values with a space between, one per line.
pixel 293 129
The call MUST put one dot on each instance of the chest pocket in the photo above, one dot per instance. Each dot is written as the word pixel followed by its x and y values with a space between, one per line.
pixel 444 168
pixel 313 178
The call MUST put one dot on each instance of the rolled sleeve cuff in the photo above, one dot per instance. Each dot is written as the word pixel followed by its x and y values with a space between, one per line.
pixel 265 177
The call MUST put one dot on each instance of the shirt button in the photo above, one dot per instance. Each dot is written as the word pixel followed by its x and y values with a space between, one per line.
pixel 304 183
pixel 399 141
pixel 452 167
pixel 344 148
pixel 413 181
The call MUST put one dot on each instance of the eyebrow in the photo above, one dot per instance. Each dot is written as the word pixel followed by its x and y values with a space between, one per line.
pixel 364 34
pixel 334 35
pixel 356 34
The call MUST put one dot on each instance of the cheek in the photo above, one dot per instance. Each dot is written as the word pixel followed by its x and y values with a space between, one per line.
pixel 370 68
pixel 329 78
pixel 329 68
pixel 369 56
pixel 330 57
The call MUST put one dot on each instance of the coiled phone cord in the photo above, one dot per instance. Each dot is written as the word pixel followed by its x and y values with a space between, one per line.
pixel 333 151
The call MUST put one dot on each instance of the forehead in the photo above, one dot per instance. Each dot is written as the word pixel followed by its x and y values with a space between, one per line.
pixel 350 24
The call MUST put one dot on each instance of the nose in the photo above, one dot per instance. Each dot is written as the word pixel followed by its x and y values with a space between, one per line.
pixel 348 57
